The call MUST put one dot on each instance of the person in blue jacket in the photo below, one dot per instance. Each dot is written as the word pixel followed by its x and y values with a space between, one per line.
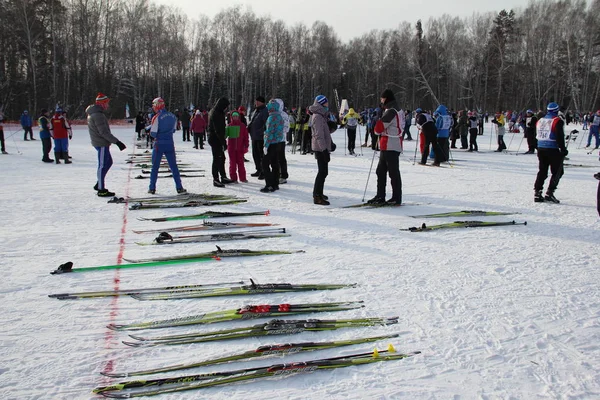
pixel 26 124
pixel 551 153
pixel 443 123
pixel 162 128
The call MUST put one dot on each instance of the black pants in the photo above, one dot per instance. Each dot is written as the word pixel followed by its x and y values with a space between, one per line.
pixel 198 138
pixel 549 158
pixel 463 141
pixel 598 199
pixel 374 140
pixel 351 138
pixel 444 151
pixel 218 164
pixel 283 172
pixel 28 130
pixel 481 129
pixel 306 141
pixel 388 165
pixel 531 142
pixel 430 140
pixel 46 148
pixel 186 133
pixel 270 166
pixel 473 139
pixel 501 144
pixel 2 144
pixel 323 170
pixel 257 154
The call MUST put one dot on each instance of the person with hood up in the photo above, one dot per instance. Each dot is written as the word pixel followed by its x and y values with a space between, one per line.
pixel 500 123
pixel 217 141
pixel 101 139
pixel 443 123
pixel 389 130
pixel 237 146
pixel 198 126
pixel 351 121
pixel 322 145
pixel 256 127
pixel 273 136
pixel 162 128
pixel 60 133
pixel 26 124
pixel 551 153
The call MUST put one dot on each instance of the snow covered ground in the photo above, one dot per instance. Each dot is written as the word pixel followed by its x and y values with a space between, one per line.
pixel 507 312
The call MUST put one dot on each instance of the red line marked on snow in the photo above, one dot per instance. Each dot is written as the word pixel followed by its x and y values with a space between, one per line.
pixel 109 335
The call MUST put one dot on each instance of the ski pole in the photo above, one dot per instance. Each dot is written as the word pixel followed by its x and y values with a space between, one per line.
pixel 416 147
pixel 345 137
pixel 510 142
pixel 492 134
pixel 15 143
pixel 580 142
pixel 360 140
pixel 520 143
pixel 368 176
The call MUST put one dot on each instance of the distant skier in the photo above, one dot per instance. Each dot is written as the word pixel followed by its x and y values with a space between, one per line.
pixel 530 131
pixel 60 133
pixel 45 136
pixel 501 130
pixel 26 124
pixel 322 145
pixel 427 135
pixel 198 126
pixel 351 121
pixel 162 128
pixel 594 130
pixel 101 138
pixel 472 121
pixel 443 123
pixel 551 153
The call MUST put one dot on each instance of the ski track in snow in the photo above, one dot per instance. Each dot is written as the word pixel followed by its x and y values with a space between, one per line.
pixel 508 312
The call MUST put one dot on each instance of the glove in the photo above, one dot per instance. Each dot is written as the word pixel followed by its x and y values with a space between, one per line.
pixel 266 150
pixel 121 145
pixel 333 146
pixel 224 146
pixel 564 152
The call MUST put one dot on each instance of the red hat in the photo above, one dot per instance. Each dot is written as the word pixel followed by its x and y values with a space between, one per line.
pixel 242 110
pixel 102 98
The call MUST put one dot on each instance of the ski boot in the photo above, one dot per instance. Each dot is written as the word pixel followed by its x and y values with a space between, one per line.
pixel 538 198
pixel 550 197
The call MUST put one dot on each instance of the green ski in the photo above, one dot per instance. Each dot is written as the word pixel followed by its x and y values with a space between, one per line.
pixel 461 224
pixel 189 203
pixel 465 213
pixel 216 254
pixel 206 215
pixel 68 266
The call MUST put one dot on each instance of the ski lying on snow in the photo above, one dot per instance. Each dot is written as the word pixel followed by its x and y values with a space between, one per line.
pixel 217 254
pixel 169 176
pixel 273 327
pixel 166 238
pixel 380 205
pixel 206 225
pixel 189 203
pixel 260 352
pixel 212 290
pixel 243 313
pixel 476 213
pixel 200 381
pixel 206 215
pixel 461 224
pixel 68 266
pixel 168 171
pixel 168 199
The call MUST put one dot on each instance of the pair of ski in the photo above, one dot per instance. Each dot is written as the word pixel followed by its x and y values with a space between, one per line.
pixel 170 176
pixel 461 224
pixel 167 238
pixel 380 205
pixel 243 313
pixel 151 387
pixel 168 171
pixel 206 225
pixel 206 215
pixel 174 198
pixel 273 327
pixel 188 203
pixel 162 261
pixel 200 291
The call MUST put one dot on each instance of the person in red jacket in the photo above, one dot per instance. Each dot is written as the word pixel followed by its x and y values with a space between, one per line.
pixel 198 126
pixel 60 129
pixel 238 143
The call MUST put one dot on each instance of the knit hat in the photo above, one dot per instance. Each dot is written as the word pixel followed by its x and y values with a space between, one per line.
pixel 261 99
pixel 418 110
pixel 530 111
pixel 235 114
pixel 102 98
pixel 321 99
pixel 553 107
pixel 388 95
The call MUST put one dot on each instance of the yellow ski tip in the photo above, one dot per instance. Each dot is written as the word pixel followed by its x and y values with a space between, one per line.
pixel 391 348
pixel 375 353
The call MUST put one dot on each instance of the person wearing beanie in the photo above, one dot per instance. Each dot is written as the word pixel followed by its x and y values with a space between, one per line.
pixel 500 123
pixel 274 135
pixel 472 121
pixel 162 128
pixel 351 121
pixel 256 128
pixel 198 126
pixel 530 132
pixel 321 146
pixel 26 124
pixel 237 145
pixel 217 141
pixel 45 135
pixel 551 153
pixel 101 139
pixel 60 133
pixel 389 129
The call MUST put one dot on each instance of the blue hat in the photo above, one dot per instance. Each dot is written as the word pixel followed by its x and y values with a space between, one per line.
pixel 418 110
pixel 553 107
pixel 321 99
pixel 529 111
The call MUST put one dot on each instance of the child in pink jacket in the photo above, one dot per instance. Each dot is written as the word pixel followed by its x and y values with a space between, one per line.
pixel 237 146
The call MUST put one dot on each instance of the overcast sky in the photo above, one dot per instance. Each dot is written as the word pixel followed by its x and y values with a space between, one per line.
pixel 349 18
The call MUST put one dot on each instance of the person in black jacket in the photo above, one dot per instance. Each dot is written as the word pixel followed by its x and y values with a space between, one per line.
pixel 185 124
pixel 140 124
pixel 530 132
pixel 426 125
pixel 256 128
pixel 217 141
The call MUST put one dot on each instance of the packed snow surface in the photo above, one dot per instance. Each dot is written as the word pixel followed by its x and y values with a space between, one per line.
pixel 509 312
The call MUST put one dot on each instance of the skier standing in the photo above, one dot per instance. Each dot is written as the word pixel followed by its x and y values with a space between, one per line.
pixel 351 121
pixel 60 133
pixel 237 145
pixel 389 128
pixel 472 121
pixel 256 126
pixel 217 141
pixel 101 138
pixel 198 126
pixel 322 146
pixel 551 153
pixel 594 130
pixel 45 136
pixel 273 136
pixel 443 123
pixel 427 134
pixel 500 123
pixel 530 131
pixel 26 124
pixel 163 125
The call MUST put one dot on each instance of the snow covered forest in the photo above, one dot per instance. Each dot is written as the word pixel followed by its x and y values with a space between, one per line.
pixel 65 51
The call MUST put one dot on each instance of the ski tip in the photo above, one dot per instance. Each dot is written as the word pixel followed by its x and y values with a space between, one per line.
pixel 63 268
pixel 525 223
pixel 267 213
pixel 391 348
pixel 113 375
